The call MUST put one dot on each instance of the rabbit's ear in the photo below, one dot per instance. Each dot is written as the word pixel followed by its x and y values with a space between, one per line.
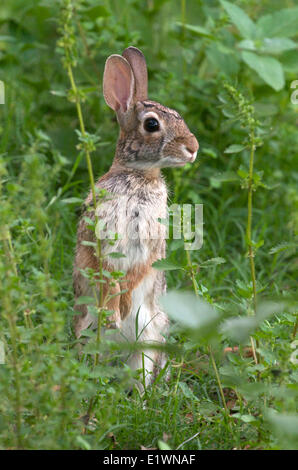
pixel 138 64
pixel 118 83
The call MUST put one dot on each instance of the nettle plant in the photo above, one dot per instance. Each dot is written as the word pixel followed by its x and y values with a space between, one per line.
pixel 266 46
pixel 264 40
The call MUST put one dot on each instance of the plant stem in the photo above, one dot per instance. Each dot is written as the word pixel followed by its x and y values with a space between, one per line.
pixel 218 379
pixel 92 183
pixel 192 273
pixel 248 233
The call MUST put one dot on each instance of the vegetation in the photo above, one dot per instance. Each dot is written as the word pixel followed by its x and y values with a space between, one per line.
pixel 227 67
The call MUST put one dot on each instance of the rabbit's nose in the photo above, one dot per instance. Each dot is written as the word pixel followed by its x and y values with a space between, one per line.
pixel 192 145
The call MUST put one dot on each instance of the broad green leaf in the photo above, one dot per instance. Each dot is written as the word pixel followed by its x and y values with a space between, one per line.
pixel 244 418
pixel 88 333
pixel 284 425
pixel 245 25
pixel 277 45
pixel 212 262
pixel 187 392
pixel 235 148
pixel 88 243
pixel 282 247
pixel 268 45
pixel 268 68
pixel 197 30
pixel 163 446
pixel 252 390
pixel 115 254
pixel 280 23
pixel 239 329
pixel 165 265
pixel 189 311
pixel 222 59
pixel 269 308
pixel 59 92
pixel 247 44
pixel 225 177
pixel 209 152
pixel 83 444
pixel 88 220
pixel 72 200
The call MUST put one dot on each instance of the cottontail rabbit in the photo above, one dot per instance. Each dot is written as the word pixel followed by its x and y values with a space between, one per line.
pixel 151 137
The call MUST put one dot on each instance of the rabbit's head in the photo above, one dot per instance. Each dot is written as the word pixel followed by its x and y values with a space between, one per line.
pixel 151 135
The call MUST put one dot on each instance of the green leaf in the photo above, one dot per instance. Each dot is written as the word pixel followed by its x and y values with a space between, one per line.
pixel 88 333
pixel 165 265
pixel 282 247
pixel 242 173
pixel 197 30
pixel 84 299
pixel 268 309
pixel 59 92
pixel 88 220
pixel 279 23
pixel 72 200
pixel 115 254
pixel 235 148
pixel 247 44
pixel 268 45
pixel 223 59
pixel 209 152
pixel 244 418
pixel 225 177
pixel 239 329
pixel 212 262
pixel 189 311
pixel 83 443
pixel 163 446
pixel 187 392
pixel 283 424
pixel 277 45
pixel 268 68
pixel 241 20
pixel 88 243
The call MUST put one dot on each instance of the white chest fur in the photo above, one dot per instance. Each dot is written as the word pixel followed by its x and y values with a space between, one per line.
pixel 132 225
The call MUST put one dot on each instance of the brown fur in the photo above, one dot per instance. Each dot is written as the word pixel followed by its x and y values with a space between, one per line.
pixel 137 197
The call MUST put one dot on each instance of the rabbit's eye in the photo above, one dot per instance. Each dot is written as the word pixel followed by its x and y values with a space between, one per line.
pixel 151 125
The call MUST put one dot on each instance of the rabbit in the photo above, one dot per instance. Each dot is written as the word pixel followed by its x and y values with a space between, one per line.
pixel 152 137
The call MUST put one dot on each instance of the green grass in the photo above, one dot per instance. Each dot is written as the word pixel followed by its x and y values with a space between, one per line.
pixel 45 388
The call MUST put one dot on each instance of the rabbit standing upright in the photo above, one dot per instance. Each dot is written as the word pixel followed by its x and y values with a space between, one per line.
pixel 151 137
